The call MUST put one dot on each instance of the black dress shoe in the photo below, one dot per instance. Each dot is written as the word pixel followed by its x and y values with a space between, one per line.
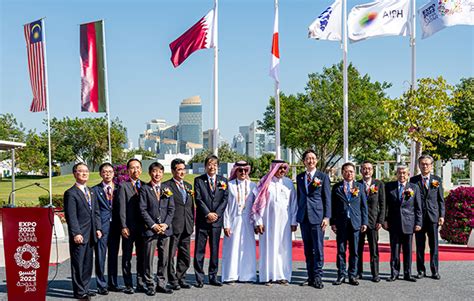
pixel 392 278
pixel 318 284
pixel 420 275
pixel 175 287
pixel 436 276
pixel 163 290
pixel 353 281
pixel 129 290
pixel 409 278
pixel 376 279
pixel 339 280
pixel 199 284
pixel 82 297
pixel 150 291
pixel 102 291
pixel 115 289
pixel 184 285
pixel 141 289
pixel 214 282
pixel 91 294
pixel 308 282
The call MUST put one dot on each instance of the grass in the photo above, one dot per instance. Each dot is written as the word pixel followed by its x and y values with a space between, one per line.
pixel 29 196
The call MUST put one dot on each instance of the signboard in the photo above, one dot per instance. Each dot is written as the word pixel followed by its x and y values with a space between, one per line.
pixel 27 242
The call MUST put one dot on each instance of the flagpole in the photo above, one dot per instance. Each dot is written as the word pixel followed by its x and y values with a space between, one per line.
pixel 107 114
pixel 277 107
pixel 215 131
pixel 345 87
pixel 48 117
pixel 413 78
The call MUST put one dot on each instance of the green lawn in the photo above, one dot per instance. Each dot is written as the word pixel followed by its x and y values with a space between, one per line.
pixel 29 196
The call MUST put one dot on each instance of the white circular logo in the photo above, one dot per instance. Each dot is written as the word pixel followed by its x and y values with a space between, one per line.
pixel 26 264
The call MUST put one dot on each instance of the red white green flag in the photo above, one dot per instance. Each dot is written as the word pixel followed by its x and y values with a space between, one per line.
pixel 93 94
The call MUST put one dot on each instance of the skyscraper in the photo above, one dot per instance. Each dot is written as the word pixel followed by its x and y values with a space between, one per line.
pixel 190 120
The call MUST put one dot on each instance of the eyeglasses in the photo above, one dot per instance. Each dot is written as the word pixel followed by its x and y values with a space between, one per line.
pixel 241 170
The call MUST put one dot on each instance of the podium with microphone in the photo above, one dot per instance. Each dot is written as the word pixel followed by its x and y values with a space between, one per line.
pixel 27 233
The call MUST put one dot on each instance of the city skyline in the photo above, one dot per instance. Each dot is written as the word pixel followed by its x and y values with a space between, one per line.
pixel 143 85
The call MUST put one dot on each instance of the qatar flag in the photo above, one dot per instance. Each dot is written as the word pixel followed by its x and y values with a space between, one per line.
pixel 275 50
pixel 201 35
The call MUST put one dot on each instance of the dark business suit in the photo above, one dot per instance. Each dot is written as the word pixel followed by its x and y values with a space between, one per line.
pixel 81 220
pixel 130 217
pixel 432 204
pixel 105 209
pixel 314 204
pixel 348 215
pixel 402 215
pixel 376 210
pixel 156 211
pixel 183 227
pixel 208 201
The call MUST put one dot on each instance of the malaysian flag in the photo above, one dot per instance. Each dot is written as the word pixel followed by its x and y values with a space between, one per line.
pixel 36 64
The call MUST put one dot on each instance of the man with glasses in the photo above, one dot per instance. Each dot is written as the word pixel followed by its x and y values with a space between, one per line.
pixel 314 211
pixel 84 229
pixel 239 258
pixel 432 204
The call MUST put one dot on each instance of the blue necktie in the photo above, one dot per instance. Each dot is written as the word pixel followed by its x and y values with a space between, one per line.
pixel 88 197
pixel 400 192
pixel 137 184
pixel 348 191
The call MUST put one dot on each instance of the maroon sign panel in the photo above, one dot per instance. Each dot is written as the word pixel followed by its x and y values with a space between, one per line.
pixel 27 243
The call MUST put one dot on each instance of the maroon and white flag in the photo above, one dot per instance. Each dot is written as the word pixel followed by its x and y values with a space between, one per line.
pixel 201 35
pixel 275 65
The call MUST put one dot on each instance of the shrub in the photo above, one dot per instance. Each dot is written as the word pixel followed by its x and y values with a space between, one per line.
pixel 57 200
pixel 459 218
pixel 120 174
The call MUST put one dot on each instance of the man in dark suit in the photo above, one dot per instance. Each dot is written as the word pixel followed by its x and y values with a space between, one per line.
pixel 183 226
pixel 314 211
pixel 432 204
pixel 349 218
pixel 106 193
pixel 84 229
pixel 132 227
pixel 211 199
pixel 403 217
pixel 375 192
pixel 157 210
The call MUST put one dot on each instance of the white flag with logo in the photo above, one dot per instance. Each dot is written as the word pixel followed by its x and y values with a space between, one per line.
pixel 328 25
pixel 437 15
pixel 379 19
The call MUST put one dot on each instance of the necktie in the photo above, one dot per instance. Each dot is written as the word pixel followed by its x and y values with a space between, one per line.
pixel 367 188
pixel 213 187
pixel 137 184
pixel 425 182
pixel 308 178
pixel 88 197
pixel 183 191
pixel 401 188
pixel 109 195
pixel 348 190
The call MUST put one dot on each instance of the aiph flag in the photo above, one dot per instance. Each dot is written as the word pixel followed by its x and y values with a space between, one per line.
pixel 437 15
pixel 201 35
pixel 275 64
pixel 379 19
pixel 93 94
pixel 328 25
pixel 36 64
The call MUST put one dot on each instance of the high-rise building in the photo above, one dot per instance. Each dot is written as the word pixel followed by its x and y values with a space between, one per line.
pixel 190 121
pixel 239 144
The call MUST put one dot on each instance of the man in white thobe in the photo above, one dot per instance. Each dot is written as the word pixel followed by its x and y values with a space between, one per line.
pixel 274 213
pixel 239 260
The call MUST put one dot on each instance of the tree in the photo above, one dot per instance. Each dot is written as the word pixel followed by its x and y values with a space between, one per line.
pixel 424 115
pixel 34 156
pixel 226 154
pixel 85 139
pixel 463 116
pixel 10 130
pixel 314 119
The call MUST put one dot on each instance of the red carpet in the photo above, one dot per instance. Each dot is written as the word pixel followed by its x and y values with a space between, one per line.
pixel 446 253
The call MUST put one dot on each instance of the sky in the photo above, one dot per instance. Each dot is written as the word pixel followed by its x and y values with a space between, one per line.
pixel 143 84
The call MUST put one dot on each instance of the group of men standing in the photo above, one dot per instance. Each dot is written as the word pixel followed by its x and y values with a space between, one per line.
pixel 161 216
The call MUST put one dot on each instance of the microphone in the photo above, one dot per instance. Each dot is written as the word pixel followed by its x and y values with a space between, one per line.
pixel 10 205
pixel 47 190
